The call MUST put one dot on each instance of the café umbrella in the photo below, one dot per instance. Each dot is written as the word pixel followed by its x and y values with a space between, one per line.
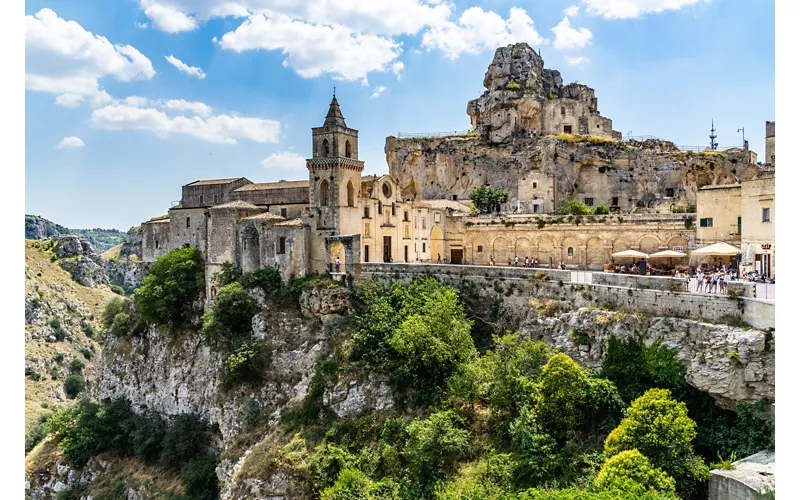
pixel 632 254
pixel 667 254
pixel 718 250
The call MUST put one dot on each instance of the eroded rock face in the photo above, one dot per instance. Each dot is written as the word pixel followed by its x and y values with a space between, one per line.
pixel 352 397
pixel 731 364
pixel 322 302
pixel 69 245
pixel 85 270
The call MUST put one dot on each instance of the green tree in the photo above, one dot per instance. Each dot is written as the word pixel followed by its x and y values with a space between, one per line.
pixel 186 439
pixel 536 452
pixel 435 444
pixel 199 478
pixel 574 207
pixel 175 281
pixel 487 199
pixel 353 484
pixel 631 471
pixel 601 210
pixel 660 428
pixel 74 385
pixel 563 389
pixel 226 275
pixel 229 321
pixel 246 364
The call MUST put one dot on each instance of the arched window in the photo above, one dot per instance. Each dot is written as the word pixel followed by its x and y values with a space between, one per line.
pixel 326 150
pixel 563 111
pixel 570 252
pixel 351 202
pixel 323 193
pixel 347 149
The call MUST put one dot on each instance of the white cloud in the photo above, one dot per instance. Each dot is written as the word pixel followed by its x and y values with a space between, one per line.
pixel 69 100
pixel 380 89
pixel 375 17
pixel 284 160
pixel 185 68
pixel 195 107
pixel 142 25
pixel 217 128
pixel 628 9
pixel 571 11
pixel 64 59
pixel 478 30
pixel 70 143
pixel 397 68
pixel 313 50
pixel 576 61
pixel 568 37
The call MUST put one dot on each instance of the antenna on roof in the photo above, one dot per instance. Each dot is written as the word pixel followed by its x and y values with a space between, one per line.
pixel 334 91
pixel 713 136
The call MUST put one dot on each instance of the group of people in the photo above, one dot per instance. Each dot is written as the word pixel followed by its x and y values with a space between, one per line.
pixel 525 263
pixel 713 279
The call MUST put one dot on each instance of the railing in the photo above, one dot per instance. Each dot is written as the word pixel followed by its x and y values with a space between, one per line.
pixel 422 135
pixel 700 149
pixel 765 291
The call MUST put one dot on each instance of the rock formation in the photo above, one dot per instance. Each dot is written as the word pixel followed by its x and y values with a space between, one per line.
pixel 77 257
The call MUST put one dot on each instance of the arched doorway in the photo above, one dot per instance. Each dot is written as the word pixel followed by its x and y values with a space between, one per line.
pixel 251 249
pixel 596 254
pixel 649 244
pixel 323 193
pixel 437 245
pixel 351 197
pixel 347 149
pixel 546 251
pixel 500 249
pixel 522 248
pixel 337 252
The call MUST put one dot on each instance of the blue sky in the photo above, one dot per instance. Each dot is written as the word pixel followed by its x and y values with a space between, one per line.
pixel 113 129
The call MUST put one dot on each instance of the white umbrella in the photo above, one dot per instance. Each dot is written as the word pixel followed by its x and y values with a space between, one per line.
pixel 630 253
pixel 667 253
pixel 721 249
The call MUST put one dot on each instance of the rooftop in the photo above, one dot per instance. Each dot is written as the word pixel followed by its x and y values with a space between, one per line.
pixel 291 222
pixel 215 181
pixel 264 216
pixel 264 186
pixel 442 204
pixel 236 204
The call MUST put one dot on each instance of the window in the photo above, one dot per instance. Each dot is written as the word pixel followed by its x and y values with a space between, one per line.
pixel 325 147
pixel 283 212
pixel 765 215
pixel 455 197
pixel 188 220
pixel 156 243
pixel 323 193
pixel 380 207
pixel 201 199
pixel 216 198
pixel 563 111
pixel 282 245
pixel 589 202
pixel 347 149
pixel 567 129
pixel 535 184
pixel 435 217
pixel 615 201
pixel 405 215
pixel 670 192
pixel 366 212
pixel 407 233
pixel 536 209
pixel 366 253
pixel 738 225
pixel 351 198
pixel 480 248
pixel 570 252
pixel 392 209
pixel 423 247
pixel 387 189
pixel 423 223
pixel 708 222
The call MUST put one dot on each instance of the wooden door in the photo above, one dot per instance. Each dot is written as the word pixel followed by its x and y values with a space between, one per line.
pixel 456 255
pixel 387 248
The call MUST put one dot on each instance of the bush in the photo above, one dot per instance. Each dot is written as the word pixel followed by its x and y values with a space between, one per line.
pixel 147 436
pixel 631 471
pixel 562 396
pixel 226 275
pixel 352 484
pixel 267 279
pixel 536 452
pixel 175 281
pixel 33 374
pixel 513 86
pixel 59 357
pixel 574 207
pixel 434 445
pixel 229 321
pixel 88 330
pixel 601 210
pixel 76 366
pixel 487 199
pixel 36 433
pixel 117 289
pixel 120 317
pixel 74 385
pixel 58 331
pixel 246 364
pixel 87 353
pixel 199 478
pixel 186 439
pixel 661 430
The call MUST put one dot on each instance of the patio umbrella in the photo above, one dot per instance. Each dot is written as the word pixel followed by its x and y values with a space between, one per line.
pixel 718 249
pixel 667 253
pixel 631 254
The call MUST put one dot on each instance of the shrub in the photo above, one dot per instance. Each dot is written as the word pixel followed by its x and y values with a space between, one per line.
pixel 229 321
pixel 226 275
pixel 36 433
pixel 661 430
pixel 76 366
pixel 120 317
pixel 117 289
pixel 601 210
pixel 199 478
pixel 487 199
pixel 58 331
pixel 435 444
pixel 574 207
pixel 186 439
pixel 88 330
pixel 33 374
pixel 688 223
pixel 175 281
pixel 87 353
pixel 562 395
pixel 267 279
pixel 631 471
pixel 147 436
pixel 246 364
pixel 535 451
pixel 513 86
pixel 352 484
pixel 74 385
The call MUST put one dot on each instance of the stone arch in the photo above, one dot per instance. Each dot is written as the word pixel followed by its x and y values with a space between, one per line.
pixel 576 256
pixel 251 249
pixel 437 244
pixel 596 253
pixel 522 248
pixel 326 147
pixel 351 196
pixel 482 256
pixel 646 201
pixel 347 152
pixel 649 244
pixel 621 244
pixel 337 250
pixel 323 193
pixel 546 250
pixel 500 249
pixel 678 241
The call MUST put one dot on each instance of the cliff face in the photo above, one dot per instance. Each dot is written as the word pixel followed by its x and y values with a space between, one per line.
pixel 650 174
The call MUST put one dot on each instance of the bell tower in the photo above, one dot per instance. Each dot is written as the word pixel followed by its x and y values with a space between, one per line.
pixel 334 179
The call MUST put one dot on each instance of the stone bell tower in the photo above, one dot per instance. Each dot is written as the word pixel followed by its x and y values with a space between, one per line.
pixel 334 180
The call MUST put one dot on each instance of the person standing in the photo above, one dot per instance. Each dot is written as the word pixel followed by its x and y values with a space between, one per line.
pixel 491 260
pixel 516 260
pixel 337 264
pixel 699 276
pixel 438 258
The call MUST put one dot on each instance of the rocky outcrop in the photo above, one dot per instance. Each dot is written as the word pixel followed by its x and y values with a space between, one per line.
pixel 731 364
pixel 353 397
pixel 39 228
pixel 78 257
pixel 323 302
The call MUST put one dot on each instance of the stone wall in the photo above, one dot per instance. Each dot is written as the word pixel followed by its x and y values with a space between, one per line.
pixel 721 204
pixel 641 282
pixel 155 239
pixel 493 282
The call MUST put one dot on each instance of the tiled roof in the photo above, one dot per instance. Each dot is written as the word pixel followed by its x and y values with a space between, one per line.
pixel 442 204
pixel 264 216
pixel 235 204
pixel 291 222
pixel 214 181
pixel 263 186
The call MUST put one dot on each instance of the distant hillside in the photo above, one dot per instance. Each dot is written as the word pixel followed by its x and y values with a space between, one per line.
pixel 39 228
